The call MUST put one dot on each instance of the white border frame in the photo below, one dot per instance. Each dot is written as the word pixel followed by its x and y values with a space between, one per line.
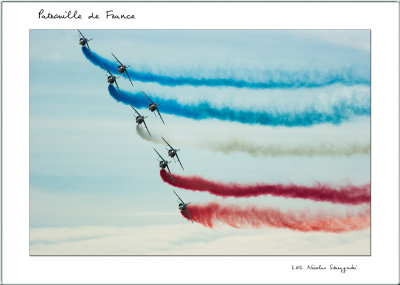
pixel 381 18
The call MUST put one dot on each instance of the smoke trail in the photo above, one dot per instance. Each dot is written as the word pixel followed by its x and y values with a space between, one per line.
pixel 144 135
pixel 273 79
pixel 203 110
pixel 253 217
pixel 323 149
pixel 235 145
pixel 344 195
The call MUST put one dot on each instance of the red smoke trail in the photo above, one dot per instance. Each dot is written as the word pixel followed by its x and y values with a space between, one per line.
pixel 252 217
pixel 344 195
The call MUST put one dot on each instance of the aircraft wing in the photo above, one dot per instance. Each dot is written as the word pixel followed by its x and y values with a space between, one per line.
pixel 147 97
pixel 167 143
pixel 178 196
pixel 187 211
pixel 117 85
pixel 116 59
pixel 106 69
pixel 179 160
pixel 146 127
pixel 81 34
pixel 159 154
pixel 135 110
pixel 160 116
pixel 170 174
pixel 128 77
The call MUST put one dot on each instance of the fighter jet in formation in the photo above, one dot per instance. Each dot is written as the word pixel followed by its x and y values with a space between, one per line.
pixel 140 119
pixel 83 41
pixel 111 78
pixel 183 206
pixel 172 152
pixel 164 164
pixel 122 68
pixel 153 107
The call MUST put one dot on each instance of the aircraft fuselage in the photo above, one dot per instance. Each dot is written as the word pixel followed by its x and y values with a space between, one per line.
pixel 111 79
pixel 82 41
pixel 163 164
pixel 171 152
pixel 152 107
pixel 139 119
pixel 121 69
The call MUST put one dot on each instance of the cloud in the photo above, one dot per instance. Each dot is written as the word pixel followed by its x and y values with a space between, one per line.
pixel 359 39
pixel 192 239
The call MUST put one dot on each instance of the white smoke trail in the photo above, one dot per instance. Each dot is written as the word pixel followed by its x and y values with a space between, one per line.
pixel 144 135
pixel 322 149
pixel 236 145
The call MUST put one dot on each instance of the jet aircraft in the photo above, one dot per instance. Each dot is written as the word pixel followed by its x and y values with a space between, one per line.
pixel 83 41
pixel 153 106
pixel 172 152
pixel 122 68
pixel 183 206
pixel 111 78
pixel 140 119
pixel 164 164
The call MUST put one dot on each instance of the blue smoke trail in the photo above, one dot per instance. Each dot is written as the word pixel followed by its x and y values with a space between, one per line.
pixel 341 112
pixel 284 80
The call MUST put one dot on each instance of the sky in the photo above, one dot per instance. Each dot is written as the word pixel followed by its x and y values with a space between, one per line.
pixel 94 176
